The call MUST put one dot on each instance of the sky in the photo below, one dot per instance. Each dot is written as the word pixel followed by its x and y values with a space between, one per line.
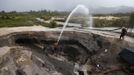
pixel 59 5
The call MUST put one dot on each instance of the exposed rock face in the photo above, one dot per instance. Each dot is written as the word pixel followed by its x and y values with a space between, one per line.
pixel 33 53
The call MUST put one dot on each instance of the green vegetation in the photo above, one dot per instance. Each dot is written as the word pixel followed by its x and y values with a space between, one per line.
pixel 53 24
pixel 131 21
pixel 111 23
pixel 118 20
pixel 15 19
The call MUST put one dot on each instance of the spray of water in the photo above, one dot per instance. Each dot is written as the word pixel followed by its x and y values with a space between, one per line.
pixel 86 11
pixel 90 22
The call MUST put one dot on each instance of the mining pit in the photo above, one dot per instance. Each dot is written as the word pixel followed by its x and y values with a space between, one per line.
pixel 77 53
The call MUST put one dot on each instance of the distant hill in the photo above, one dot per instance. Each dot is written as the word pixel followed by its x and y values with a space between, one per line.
pixel 107 10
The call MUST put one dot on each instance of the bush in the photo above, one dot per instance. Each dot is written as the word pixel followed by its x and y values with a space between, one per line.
pixel 52 24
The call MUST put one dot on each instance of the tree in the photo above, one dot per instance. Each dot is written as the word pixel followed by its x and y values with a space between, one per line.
pixel 53 24
pixel 131 21
pixel 3 11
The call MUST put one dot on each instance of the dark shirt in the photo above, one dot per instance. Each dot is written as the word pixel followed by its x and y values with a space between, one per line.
pixel 124 31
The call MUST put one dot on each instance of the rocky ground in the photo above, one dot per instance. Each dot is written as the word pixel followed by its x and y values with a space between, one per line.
pixel 31 51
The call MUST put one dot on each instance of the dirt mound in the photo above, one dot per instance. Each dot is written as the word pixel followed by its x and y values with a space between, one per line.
pixel 34 53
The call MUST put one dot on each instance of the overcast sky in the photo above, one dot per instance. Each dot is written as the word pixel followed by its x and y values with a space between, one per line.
pixel 25 5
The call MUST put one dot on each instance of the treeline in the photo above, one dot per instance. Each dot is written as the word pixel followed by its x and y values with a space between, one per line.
pixel 41 13
pixel 111 23
pixel 29 18
pixel 13 18
pixel 123 20
pixel 115 14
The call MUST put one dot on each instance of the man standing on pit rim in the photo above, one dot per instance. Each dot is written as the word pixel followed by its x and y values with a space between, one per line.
pixel 123 33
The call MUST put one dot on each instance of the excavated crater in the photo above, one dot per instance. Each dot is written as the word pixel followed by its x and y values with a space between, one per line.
pixel 34 53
